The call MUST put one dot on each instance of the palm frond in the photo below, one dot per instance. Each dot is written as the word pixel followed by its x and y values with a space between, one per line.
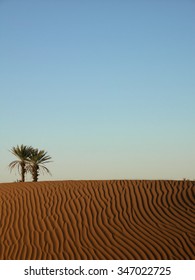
pixel 44 169
pixel 39 157
pixel 13 164
pixel 21 151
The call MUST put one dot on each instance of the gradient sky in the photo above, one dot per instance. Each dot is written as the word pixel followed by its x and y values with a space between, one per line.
pixel 105 86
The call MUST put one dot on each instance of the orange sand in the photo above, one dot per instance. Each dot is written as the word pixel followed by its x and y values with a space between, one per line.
pixel 119 219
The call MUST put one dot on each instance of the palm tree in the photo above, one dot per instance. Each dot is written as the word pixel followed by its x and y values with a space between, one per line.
pixel 37 159
pixel 22 153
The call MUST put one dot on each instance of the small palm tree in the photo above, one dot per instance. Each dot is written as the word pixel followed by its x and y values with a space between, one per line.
pixel 22 153
pixel 37 159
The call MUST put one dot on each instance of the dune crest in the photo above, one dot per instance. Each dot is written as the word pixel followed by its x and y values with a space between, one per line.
pixel 119 219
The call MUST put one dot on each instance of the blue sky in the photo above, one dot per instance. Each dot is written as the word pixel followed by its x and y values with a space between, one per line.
pixel 106 87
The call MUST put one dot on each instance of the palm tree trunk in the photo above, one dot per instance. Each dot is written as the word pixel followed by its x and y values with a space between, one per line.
pixel 35 173
pixel 23 170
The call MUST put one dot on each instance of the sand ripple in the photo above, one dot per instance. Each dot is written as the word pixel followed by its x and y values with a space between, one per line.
pixel 119 219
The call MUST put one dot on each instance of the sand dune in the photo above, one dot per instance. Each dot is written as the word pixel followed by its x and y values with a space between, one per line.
pixel 119 219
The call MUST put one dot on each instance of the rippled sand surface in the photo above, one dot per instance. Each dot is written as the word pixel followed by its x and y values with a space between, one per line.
pixel 118 219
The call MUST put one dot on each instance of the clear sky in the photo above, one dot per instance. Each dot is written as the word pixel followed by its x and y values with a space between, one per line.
pixel 105 86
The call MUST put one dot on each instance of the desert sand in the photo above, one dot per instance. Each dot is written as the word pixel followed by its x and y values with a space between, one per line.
pixel 119 219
